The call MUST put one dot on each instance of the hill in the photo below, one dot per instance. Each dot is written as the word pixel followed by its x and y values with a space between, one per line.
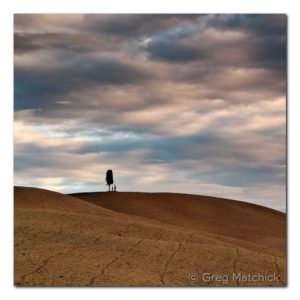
pixel 144 239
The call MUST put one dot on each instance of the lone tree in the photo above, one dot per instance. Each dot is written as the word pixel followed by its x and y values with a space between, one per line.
pixel 109 178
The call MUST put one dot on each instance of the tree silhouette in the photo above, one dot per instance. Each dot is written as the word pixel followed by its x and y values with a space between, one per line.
pixel 109 178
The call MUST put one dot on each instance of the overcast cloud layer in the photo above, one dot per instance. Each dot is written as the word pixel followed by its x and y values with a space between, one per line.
pixel 176 103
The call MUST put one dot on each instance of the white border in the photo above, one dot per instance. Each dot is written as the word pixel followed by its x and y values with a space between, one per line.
pixel 8 8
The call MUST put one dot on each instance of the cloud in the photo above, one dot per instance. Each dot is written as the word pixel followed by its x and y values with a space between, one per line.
pixel 188 103
pixel 44 87
pixel 261 24
pixel 174 45
pixel 24 43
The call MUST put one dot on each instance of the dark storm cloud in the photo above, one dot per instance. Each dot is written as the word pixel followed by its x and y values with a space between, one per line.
pixel 171 38
pixel 261 24
pixel 267 36
pixel 173 51
pixel 135 25
pixel 174 44
pixel 264 47
pixel 24 43
pixel 27 42
pixel 272 53
pixel 43 88
pixel 37 90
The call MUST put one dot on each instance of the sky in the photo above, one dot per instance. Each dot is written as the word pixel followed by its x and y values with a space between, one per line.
pixel 171 103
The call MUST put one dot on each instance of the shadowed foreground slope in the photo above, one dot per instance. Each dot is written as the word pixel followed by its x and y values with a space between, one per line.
pixel 144 239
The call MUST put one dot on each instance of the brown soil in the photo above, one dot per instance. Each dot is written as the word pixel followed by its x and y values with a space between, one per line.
pixel 145 239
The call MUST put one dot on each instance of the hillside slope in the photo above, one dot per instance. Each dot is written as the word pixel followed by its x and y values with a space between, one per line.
pixel 62 240
pixel 245 221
